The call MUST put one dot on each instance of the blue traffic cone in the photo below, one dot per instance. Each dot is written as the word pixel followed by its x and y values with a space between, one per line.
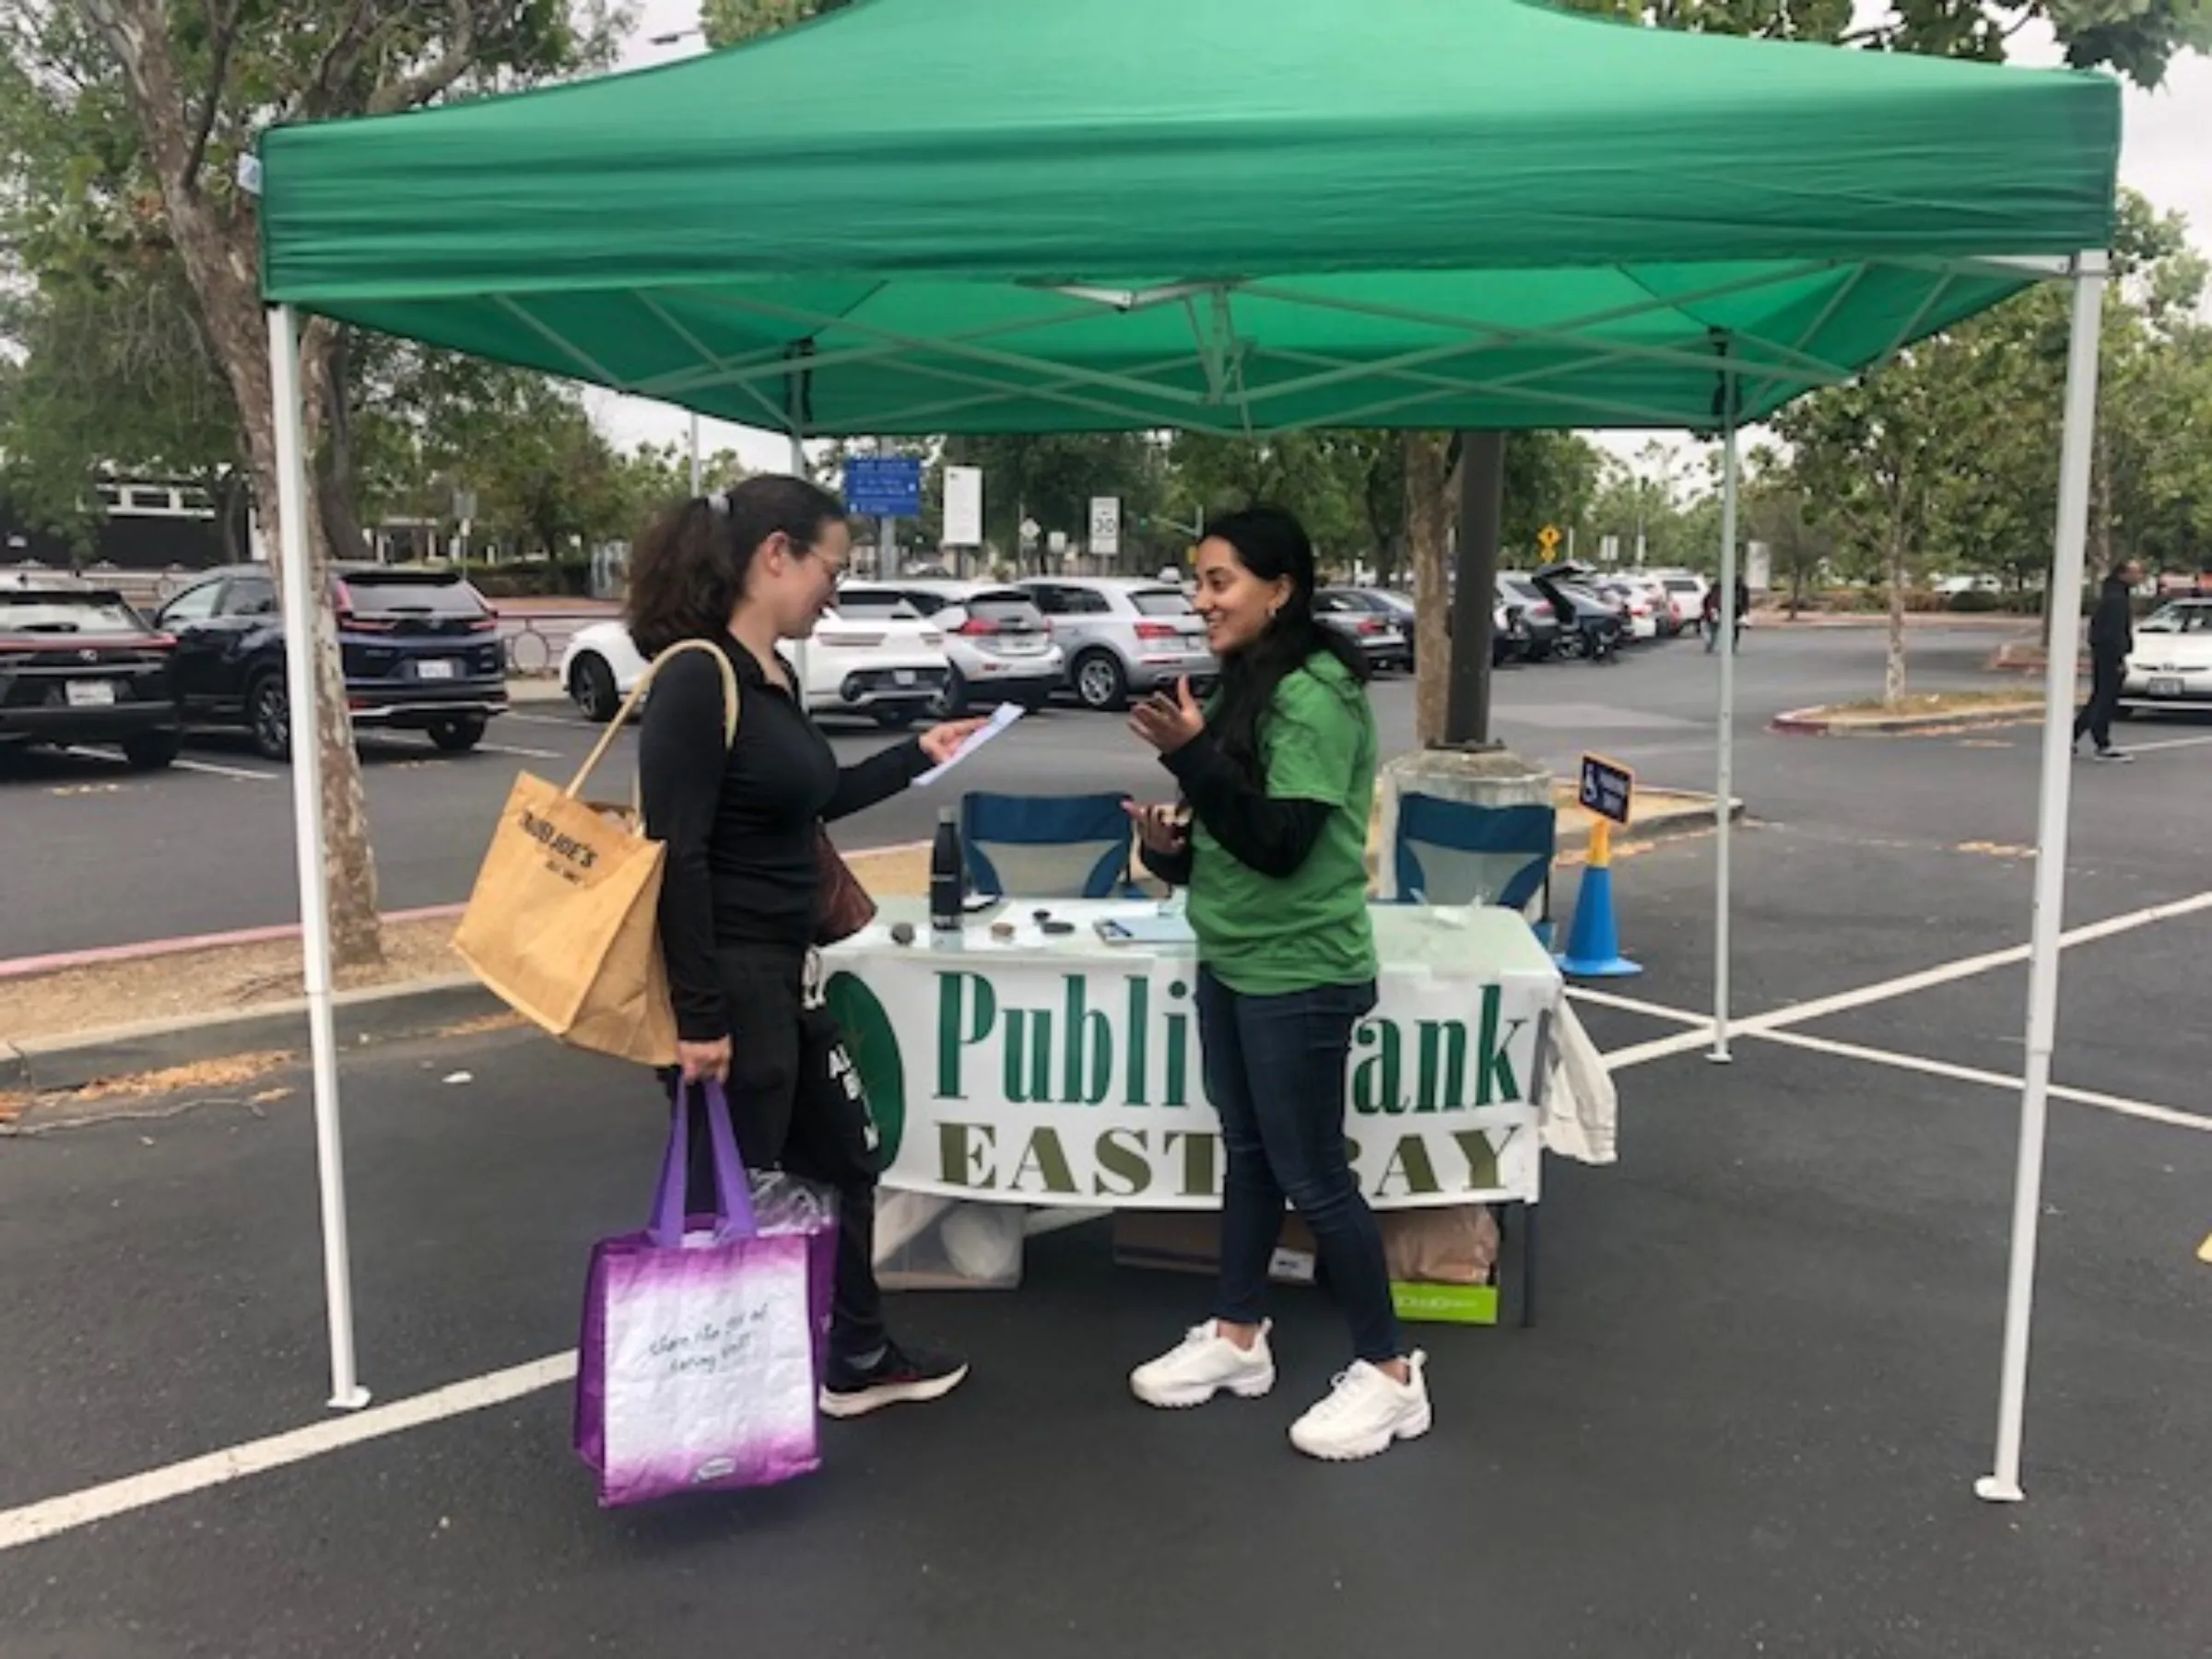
pixel 1593 942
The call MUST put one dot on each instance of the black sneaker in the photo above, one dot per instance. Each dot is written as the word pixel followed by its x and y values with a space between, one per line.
pixel 2114 754
pixel 899 1375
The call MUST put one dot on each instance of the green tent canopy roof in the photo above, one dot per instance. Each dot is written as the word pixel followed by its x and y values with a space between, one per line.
pixel 942 216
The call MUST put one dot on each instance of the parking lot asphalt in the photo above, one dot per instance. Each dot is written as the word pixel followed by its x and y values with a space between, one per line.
pixel 96 855
pixel 1748 1423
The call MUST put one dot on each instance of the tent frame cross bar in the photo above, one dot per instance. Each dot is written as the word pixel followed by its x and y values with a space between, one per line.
pixel 777 419
pixel 595 370
pixel 1805 336
pixel 902 418
pixel 770 362
pixel 2071 545
pixel 1443 386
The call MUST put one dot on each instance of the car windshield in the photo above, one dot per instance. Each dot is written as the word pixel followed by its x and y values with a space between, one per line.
pixel 2180 618
pixel 854 603
pixel 407 593
pixel 1007 606
pixel 24 611
pixel 1160 602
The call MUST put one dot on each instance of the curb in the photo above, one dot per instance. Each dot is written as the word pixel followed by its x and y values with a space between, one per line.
pixel 1812 723
pixel 382 1014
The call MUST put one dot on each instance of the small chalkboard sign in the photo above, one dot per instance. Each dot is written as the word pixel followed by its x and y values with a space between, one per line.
pixel 1608 789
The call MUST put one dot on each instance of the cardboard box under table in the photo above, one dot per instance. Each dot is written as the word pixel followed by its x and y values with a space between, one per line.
pixel 1040 1065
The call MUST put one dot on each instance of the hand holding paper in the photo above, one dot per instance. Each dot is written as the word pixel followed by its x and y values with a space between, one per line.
pixel 1004 715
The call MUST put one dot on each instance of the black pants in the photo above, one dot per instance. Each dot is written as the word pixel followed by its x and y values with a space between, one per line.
pixel 777 1131
pixel 2106 677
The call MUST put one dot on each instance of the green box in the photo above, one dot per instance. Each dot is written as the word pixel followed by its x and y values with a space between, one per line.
pixel 1444 1304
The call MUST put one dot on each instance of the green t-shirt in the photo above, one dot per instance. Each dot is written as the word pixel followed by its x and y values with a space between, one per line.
pixel 1263 935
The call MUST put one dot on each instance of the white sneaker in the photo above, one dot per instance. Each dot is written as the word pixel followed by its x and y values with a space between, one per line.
pixel 1365 1413
pixel 1202 1365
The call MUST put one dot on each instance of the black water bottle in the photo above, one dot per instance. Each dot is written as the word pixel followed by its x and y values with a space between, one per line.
pixel 946 885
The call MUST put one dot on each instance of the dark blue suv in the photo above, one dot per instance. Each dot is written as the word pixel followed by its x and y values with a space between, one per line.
pixel 421 650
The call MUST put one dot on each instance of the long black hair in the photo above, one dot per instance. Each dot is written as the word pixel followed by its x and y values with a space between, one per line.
pixel 687 571
pixel 1272 544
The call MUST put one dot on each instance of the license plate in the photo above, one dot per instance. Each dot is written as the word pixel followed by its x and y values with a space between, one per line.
pixel 435 668
pixel 2160 685
pixel 91 694
pixel 902 677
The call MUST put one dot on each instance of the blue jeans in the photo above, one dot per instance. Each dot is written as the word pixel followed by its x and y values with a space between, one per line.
pixel 1274 1069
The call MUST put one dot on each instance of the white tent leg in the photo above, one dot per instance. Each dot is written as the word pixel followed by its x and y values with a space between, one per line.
pixel 298 589
pixel 697 487
pixel 798 457
pixel 1724 786
pixel 2064 595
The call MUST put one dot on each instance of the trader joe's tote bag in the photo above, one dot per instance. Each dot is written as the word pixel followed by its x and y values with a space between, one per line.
pixel 561 921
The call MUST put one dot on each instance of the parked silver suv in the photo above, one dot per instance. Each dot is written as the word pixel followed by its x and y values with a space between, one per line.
pixel 1000 648
pixel 1121 635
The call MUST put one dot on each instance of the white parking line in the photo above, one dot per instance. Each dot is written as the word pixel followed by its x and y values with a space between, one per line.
pixel 210 767
pixel 2165 743
pixel 181 763
pixel 569 720
pixel 2144 1109
pixel 524 754
pixel 43 1520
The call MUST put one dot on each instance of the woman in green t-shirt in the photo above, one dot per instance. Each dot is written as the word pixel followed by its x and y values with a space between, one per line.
pixel 1276 774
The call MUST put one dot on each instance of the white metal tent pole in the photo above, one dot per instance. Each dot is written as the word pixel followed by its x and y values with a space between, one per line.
pixel 298 589
pixel 696 480
pixel 2064 602
pixel 798 457
pixel 1724 787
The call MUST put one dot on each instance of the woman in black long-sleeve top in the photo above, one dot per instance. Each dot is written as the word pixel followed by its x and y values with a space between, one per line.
pixel 741 897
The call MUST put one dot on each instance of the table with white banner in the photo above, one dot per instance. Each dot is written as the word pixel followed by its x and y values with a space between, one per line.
pixel 1035 1063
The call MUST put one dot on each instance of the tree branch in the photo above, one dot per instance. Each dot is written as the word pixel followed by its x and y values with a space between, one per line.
pixel 222 31
pixel 415 90
pixel 340 60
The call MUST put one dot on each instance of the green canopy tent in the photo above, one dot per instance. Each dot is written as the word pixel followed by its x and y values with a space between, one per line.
pixel 1238 217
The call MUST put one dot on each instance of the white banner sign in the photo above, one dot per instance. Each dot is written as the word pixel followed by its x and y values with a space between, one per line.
pixel 1106 524
pixel 963 506
pixel 1029 1081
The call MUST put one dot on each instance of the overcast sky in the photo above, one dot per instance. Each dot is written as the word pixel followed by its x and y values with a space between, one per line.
pixel 2166 154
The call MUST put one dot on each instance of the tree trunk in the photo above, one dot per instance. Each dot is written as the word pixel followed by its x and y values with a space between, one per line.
pixel 337 488
pixel 220 251
pixel 1893 670
pixel 1427 526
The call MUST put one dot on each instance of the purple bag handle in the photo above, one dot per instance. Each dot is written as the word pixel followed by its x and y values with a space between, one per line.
pixel 733 1191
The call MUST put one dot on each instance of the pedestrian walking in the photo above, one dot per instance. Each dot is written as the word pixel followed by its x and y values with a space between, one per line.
pixel 2112 637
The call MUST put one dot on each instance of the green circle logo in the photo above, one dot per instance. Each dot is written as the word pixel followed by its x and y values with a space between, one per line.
pixel 874 1047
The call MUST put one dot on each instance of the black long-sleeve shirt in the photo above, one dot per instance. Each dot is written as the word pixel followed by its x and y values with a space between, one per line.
pixel 740 826
pixel 1259 831
pixel 2113 624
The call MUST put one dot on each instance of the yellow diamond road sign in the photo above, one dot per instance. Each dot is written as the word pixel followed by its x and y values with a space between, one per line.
pixel 1548 537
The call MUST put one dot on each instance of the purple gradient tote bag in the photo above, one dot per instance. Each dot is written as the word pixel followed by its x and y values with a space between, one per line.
pixel 702 1342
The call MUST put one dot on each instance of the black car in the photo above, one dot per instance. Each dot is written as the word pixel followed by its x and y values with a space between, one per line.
pixel 79 665
pixel 1366 617
pixel 420 647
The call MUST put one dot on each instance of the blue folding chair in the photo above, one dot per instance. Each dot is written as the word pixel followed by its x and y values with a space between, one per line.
pixel 1454 853
pixel 1046 846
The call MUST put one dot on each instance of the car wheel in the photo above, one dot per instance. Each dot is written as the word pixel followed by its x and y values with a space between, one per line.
pixel 591 685
pixel 269 718
pixel 150 751
pixel 951 699
pixel 1101 684
pixel 895 720
pixel 458 737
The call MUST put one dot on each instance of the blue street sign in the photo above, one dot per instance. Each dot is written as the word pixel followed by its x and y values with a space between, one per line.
pixel 883 486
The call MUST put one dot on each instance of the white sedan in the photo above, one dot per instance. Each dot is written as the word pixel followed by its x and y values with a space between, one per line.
pixel 2171 666
pixel 885 669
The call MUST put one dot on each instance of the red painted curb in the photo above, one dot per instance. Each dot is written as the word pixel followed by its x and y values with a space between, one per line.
pixel 146 949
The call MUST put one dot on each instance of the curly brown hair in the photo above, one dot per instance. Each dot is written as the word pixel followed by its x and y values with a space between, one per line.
pixel 686 572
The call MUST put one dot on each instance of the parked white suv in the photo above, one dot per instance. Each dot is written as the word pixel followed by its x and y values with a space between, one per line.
pixel 1001 646
pixel 886 669
pixel 1123 635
